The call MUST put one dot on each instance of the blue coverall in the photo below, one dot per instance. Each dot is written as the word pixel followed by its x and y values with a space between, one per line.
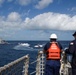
pixel 52 67
pixel 72 50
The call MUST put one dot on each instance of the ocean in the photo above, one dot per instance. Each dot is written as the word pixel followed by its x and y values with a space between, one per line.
pixel 13 50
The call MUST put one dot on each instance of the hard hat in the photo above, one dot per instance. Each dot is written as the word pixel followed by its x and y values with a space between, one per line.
pixel 53 36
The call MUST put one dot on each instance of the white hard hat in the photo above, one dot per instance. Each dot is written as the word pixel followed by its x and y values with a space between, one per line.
pixel 53 36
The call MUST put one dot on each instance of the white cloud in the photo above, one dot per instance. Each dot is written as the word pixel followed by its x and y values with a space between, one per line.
pixel 1 2
pixel 43 3
pixel 9 0
pixel 11 22
pixel 26 13
pixel 14 16
pixel 51 21
pixel 73 9
pixel 43 21
pixel 24 2
pixel 21 2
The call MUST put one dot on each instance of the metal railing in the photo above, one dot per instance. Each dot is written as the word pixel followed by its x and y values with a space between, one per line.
pixel 65 68
pixel 17 67
pixel 40 64
pixel 21 65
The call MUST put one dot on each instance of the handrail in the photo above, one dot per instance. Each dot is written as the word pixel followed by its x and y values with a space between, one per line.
pixel 65 68
pixel 40 63
pixel 15 66
pixel 21 65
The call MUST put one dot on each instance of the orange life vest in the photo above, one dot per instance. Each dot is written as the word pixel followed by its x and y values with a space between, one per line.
pixel 54 51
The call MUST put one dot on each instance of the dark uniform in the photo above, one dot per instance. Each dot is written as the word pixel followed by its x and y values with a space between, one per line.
pixel 72 50
pixel 52 65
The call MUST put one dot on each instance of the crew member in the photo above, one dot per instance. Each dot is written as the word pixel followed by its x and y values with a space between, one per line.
pixel 72 50
pixel 53 54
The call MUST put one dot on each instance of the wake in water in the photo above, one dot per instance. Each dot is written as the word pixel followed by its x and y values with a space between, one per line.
pixel 23 46
pixel 26 46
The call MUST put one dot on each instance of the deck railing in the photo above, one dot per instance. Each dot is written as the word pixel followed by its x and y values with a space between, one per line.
pixel 17 67
pixel 40 66
pixel 21 65
pixel 65 68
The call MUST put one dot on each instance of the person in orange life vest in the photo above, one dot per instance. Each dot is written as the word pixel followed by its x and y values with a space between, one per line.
pixel 53 51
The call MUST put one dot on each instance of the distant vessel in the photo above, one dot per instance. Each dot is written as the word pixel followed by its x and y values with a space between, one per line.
pixel 3 41
pixel 38 46
pixel 24 44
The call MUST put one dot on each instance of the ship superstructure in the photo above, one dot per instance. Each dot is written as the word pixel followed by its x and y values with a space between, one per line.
pixel 3 41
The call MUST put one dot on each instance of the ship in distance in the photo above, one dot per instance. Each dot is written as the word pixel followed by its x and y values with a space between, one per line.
pixel 3 41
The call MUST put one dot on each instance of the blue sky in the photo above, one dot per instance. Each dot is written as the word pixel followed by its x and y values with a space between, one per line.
pixel 37 19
